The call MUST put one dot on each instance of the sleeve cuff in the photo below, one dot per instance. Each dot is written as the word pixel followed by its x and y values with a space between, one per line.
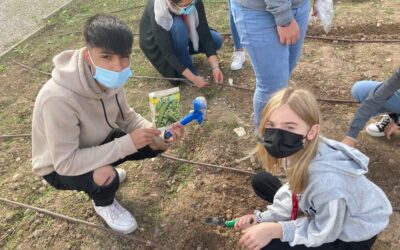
pixel 284 18
pixel 288 230
pixel 127 145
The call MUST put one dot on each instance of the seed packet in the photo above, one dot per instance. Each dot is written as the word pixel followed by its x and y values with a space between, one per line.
pixel 165 107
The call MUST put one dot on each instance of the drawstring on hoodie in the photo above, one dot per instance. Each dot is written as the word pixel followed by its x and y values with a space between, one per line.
pixel 119 106
pixel 105 113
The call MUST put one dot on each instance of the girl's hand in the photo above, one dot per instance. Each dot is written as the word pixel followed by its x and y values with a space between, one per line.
pixel 177 131
pixel 350 142
pixel 218 76
pixel 261 235
pixel 290 34
pixel 390 129
pixel 200 82
pixel 246 222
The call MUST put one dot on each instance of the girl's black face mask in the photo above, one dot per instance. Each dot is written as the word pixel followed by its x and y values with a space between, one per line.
pixel 281 143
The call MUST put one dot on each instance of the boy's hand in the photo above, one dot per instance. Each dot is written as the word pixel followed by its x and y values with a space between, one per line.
pixel 390 129
pixel 142 137
pixel 177 131
pixel 246 221
pixel 199 81
pixel 218 76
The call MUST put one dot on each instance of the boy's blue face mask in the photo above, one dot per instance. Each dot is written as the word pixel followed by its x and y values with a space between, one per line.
pixel 188 9
pixel 111 79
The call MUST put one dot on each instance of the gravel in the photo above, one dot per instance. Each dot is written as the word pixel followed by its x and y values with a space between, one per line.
pixel 19 18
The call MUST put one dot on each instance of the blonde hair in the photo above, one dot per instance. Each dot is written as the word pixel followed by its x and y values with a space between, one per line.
pixel 304 104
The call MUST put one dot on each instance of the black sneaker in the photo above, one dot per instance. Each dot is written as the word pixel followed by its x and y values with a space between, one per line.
pixel 377 129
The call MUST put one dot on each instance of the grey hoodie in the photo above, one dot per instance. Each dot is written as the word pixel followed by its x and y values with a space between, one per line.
pixel 338 203
pixel 72 116
pixel 280 9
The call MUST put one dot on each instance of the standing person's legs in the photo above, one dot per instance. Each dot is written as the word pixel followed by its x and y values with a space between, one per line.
pixel 269 58
pixel 301 15
pixel 180 39
pixel 235 35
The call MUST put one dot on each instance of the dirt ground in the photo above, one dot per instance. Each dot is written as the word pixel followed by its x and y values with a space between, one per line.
pixel 171 199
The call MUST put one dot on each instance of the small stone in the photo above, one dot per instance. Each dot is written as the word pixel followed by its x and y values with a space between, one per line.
pixel 228 216
pixel 224 186
pixel 78 236
pixel 17 177
pixel 186 221
pixel 42 190
pixel 391 162
pixel 378 25
pixel 388 59
pixel 44 182
pixel 37 233
pixel 18 159
pixel 198 248
pixel 9 216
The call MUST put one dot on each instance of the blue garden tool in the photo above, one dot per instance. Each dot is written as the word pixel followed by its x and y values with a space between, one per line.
pixel 198 114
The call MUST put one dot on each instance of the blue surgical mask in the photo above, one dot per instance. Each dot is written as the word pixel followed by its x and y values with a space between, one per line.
pixel 188 9
pixel 111 79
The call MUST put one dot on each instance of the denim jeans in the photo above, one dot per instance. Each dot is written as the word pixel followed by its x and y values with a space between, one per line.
pixel 272 61
pixel 234 32
pixel 361 90
pixel 184 47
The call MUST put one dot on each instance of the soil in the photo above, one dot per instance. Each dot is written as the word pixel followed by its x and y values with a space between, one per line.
pixel 171 199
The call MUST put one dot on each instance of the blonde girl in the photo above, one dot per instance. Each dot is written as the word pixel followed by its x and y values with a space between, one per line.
pixel 327 203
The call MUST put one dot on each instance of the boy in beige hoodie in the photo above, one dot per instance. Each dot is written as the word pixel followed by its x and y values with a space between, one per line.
pixel 83 127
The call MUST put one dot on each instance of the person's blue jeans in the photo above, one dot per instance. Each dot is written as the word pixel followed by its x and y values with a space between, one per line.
pixel 234 32
pixel 272 61
pixel 361 90
pixel 184 47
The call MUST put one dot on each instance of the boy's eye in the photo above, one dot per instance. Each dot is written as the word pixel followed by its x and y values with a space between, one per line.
pixel 107 57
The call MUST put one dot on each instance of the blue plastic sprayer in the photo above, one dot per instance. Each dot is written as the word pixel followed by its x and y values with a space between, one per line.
pixel 199 111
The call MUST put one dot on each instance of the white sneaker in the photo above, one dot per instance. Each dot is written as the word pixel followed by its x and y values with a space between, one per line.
pixel 377 129
pixel 117 217
pixel 238 59
pixel 121 174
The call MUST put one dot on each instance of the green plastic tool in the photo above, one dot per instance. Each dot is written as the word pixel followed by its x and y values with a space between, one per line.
pixel 231 223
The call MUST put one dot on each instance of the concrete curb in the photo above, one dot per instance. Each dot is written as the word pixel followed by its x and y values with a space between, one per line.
pixel 32 34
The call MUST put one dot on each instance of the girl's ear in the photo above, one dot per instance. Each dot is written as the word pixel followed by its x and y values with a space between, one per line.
pixel 313 133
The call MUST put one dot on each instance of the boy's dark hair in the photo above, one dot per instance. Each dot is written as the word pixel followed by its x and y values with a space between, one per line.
pixel 108 32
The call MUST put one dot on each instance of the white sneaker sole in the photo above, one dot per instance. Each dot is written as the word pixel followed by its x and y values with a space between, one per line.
pixel 374 134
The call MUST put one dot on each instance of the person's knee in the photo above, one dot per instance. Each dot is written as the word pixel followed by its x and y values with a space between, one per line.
pixel 259 180
pixel 104 175
pixel 218 40
pixel 179 27
pixel 355 90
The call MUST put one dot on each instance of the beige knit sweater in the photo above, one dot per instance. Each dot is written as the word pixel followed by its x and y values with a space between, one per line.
pixel 69 122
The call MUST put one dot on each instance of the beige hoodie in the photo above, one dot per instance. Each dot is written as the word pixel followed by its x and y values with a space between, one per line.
pixel 69 122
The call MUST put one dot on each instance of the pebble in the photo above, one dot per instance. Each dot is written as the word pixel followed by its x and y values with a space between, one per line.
pixel 42 190
pixel 18 159
pixel 17 177
pixel 37 233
